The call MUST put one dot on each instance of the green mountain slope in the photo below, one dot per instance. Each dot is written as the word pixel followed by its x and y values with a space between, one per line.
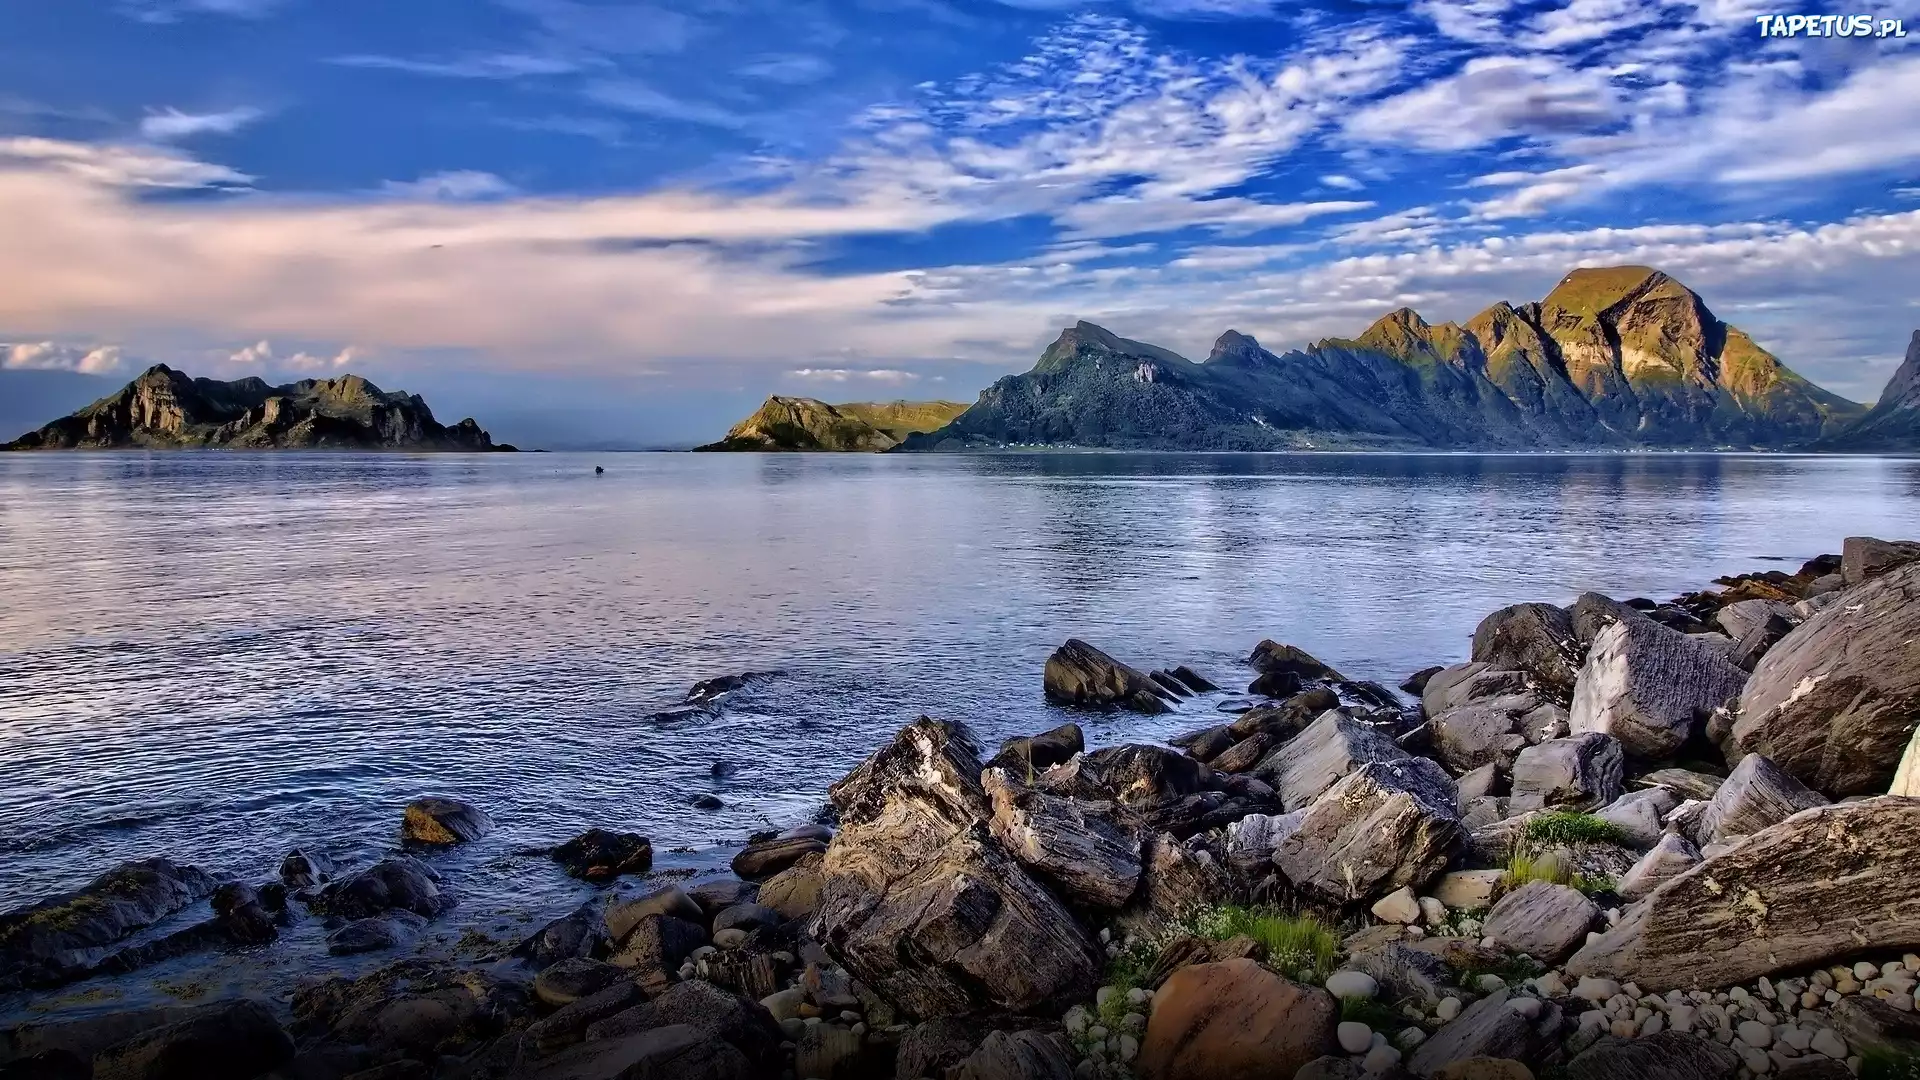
pixel 790 423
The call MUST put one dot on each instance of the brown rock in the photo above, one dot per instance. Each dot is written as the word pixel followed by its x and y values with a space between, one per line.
pixel 438 822
pixel 1235 1021
pixel 1079 674
pixel 1484 1068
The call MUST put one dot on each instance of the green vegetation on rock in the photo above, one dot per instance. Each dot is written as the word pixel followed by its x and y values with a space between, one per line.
pixel 790 423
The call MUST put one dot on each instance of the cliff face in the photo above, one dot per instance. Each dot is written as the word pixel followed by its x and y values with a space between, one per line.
pixel 788 423
pixel 1892 426
pixel 1614 357
pixel 163 409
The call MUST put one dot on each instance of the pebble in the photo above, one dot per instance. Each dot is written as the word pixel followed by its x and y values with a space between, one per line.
pixel 1528 1007
pixel 1139 996
pixel 1432 911
pixel 1380 1059
pixel 1795 1036
pixel 1411 1037
pixel 1448 1008
pixel 1680 1017
pixel 1864 971
pixel 1133 1022
pixel 1653 1025
pixel 1551 985
pixel 1399 906
pixel 1129 1048
pixel 1756 1061
pixel 1623 1028
pixel 1104 995
pixel 1355 1037
pixel 731 938
pixel 1755 1034
pixel 1352 984
pixel 1826 1041
pixel 1595 990
pixel 1594 1018
pixel 1076 1020
pixel 1491 984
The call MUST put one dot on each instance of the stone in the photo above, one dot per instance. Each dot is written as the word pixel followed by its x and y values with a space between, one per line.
pixel 669 900
pixel 1289 717
pixel 1352 984
pixel 1757 794
pixel 413 1008
pixel 1869 1024
pixel 1207 743
pixel 715 1012
pixel 1245 754
pixel 599 855
pixel 1330 748
pixel 930 1048
pixel 762 860
pixel 1194 681
pixel 398 883
pixel 1863 557
pixel 1073 845
pixel 794 893
pixel 1399 906
pixel 1668 1055
pixel 1650 687
pixel 1384 827
pixel 746 917
pixel 1353 1037
pixel 1672 856
pixel 1545 921
pixel 303 869
pixel 1535 638
pixel 1477 783
pixel 233 1040
pixel 1177 882
pixel 568 1024
pixel 653 952
pixel 581 932
pixel 59 939
pixel 438 822
pixel 1079 674
pixel 1135 775
pixel 569 980
pixel 922 904
pixel 1484 1068
pixel 1638 819
pixel 1742 616
pixel 1482 733
pixel 1234 1021
pixel 1754 644
pixel 676 1051
pixel 1416 683
pixel 1019 1055
pixel 1463 684
pixel 1593 612
pixel 1468 890
pixel 1269 657
pixel 1038 753
pixel 1404 971
pixel 385 931
pixel 828 1051
pixel 1683 782
pixel 1816 886
pixel 1835 703
pixel 1490 1027
pixel 1251 841
pixel 1580 772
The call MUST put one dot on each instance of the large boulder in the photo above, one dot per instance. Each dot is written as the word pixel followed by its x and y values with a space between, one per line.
pixel 1672 856
pixel 1667 1055
pixel 235 1040
pixel 1835 702
pixel 1543 920
pixel 58 940
pixel 1235 1021
pixel 1581 772
pixel 1650 687
pixel 1074 845
pixel 1482 733
pixel 400 882
pixel 1862 557
pixel 1593 612
pixel 1079 674
pixel 1535 638
pixel 1387 826
pixel 438 822
pixel 655 948
pixel 1491 1027
pixel 1825 883
pixel 713 1011
pixel 1270 657
pixel 1177 882
pixel 1301 770
pixel 1756 794
pixel 1038 753
pixel 922 904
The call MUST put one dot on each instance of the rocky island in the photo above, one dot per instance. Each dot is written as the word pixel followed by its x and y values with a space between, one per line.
pixel 1619 357
pixel 790 423
pixel 1619 840
pixel 164 409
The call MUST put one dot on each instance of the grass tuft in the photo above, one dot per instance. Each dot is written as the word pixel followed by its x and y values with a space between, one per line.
pixel 1294 943
pixel 1565 827
pixel 1125 972
pixel 1377 1015
pixel 1524 867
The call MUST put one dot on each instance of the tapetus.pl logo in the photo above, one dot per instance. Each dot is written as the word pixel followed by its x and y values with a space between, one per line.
pixel 1860 26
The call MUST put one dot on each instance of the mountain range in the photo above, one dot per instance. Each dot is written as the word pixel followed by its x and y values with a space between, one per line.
pixel 791 423
pixel 1618 357
pixel 1893 424
pixel 163 409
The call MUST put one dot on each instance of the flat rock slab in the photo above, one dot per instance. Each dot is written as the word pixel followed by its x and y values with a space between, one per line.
pixel 1650 687
pixel 1313 761
pixel 1387 826
pixel 1669 1055
pixel 1543 920
pixel 1490 1027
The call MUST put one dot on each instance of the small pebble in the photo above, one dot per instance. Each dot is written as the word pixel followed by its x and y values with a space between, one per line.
pixel 1826 1041
pixel 1448 1008
pixel 1755 1034
pixel 1380 1059
pixel 1354 1037
pixel 1491 983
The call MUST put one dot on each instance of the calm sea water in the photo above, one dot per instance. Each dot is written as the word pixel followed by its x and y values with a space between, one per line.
pixel 218 657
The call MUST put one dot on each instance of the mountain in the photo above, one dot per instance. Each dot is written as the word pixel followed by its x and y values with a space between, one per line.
pixel 163 409
pixel 789 423
pixel 1617 357
pixel 1893 424
pixel 29 395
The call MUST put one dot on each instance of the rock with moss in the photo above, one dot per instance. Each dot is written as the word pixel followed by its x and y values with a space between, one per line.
pixel 799 424
pixel 59 939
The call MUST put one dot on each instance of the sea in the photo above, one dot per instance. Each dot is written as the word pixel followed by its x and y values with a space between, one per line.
pixel 219 657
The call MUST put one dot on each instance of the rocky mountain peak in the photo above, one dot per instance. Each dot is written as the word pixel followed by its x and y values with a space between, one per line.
pixel 1591 290
pixel 1903 390
pixel 1234 345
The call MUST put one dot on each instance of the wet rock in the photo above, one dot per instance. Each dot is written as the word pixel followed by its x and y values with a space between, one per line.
pixel 1543 920
pixel 437 822
pixel 706 801
pixel 1072 844
pixel 1650 687
pixel 1039 753
pixel 1756 794
pixel 569 1023
pixel 1535 638
pixel 397 883
pixel 1174 687
pixel 712 897
pixel 1672 856
pixel 714 1012
pixel 794 893
pixel 1270 656
pixel 1079 674
pixel 1824 883
pixel 1482 733
pixel 1386 826
pixel 1196 682
pixel 1234 1021
pixel 924 906
pixel 708 691
pixel 768 857
pixel 656 947
pixel 1668 1055
pixel 1416 683
pixel 567 981
pixel 57 940
pixel 1491 1027
pixel 413 1008
pixel 1289 717
pixel 1577 773
pixel 1835 702
pixel 388 931
pixel 1021 1055
pixel 231 1041
pixel 305 869
pixel 1331 747
pixel 1862 557
pixel 579 933
pixel 241 914
pixel 600 855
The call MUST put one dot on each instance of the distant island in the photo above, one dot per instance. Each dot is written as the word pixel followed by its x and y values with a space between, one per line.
pixel 1614 358
pixel 801 424
pixel 164 409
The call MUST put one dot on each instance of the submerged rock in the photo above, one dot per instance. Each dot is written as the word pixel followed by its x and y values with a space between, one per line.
pixel 438 822
pixel 1079 674
pixel 399 882
pixel 303 869
pixel 386 931
pixel 58 940
pixel 599 855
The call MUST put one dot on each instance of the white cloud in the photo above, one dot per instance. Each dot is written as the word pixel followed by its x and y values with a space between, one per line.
pixel 1533 194
pixel 1343 183
pixel 792 69
pixel 497 65
pixel 118 165
pixel 260 352
pixel 166 11
pixel 454 186
pixel 1489 99
pixel 1584 21
pixel 840 375
pixel 172 124
pixel 633 96
pixel 50 356
pixel 1123 216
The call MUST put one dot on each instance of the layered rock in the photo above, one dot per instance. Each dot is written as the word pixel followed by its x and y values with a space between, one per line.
pixel 1535 638
pixel 1079 674
pixel 790 423
pixel 1650 687
pixel 58 939
pixel 1385 826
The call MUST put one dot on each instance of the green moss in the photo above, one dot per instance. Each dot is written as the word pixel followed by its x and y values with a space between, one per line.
pixel 1294 943
pixel 1377 1015
pixel 1564 827
pixel 1883 1064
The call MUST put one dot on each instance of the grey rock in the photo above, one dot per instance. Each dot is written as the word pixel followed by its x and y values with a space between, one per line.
pixel 1669 858
pixel 1593 612
pixel 581 932
pixel 386 931
pixel 1040 752
pixel 1270 657
pixel 230 1041
pixel 1490 1027
pixel 1543 920
pixel 1669 1055
pixel 1177 882
pixel 1477 783
pixel 1489 732
pixel 1862 557
pixel 1079 674
pixel 1330 748
pixel 1869 1024
pixel 1463 684
pixel 1650 687
pixel 714 1012
pixel 400 882
pixel 1135 774
pixel 1072 844
pixel 656 947
pixel 1638 819
pixel 766 858
pixel 1253 839
pixel 1020 1055
pixel 1757 794
pixel 1580 772
pixel 1743 615
pixel 671 900
pixel 570 980
pixel 568 1024
pixel 1535 638
pixel 1404 973
pixel 303 869
pixel 1383 827
pixel 57 940
pixel 1684 783
pixel 794 893
pixel 1836 701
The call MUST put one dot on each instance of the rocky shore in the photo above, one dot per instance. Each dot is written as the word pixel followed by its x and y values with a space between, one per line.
pixel 1625 840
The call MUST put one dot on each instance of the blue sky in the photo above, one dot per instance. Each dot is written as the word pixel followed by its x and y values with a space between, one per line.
pixel 665 210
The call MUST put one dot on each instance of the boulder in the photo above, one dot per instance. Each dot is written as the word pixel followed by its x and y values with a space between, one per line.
pixel 413 1008
pixel 1543 920
pixel 599 855
pixel 1079 674
pixel 1650 687
pixel 1825 883
pixel 305 869
pixel 1535 638
pixel 385 931
pixel 1404 973
pixel 1482 733
pixel 438 822
pixel 1416 683
pixel 1207 743
pixel 1637 818
pixel 677 1051
pixel 1668 1055
pixel 1672 856
pixel 1074 845
pixel 568 1024
pixel 1835 702
pixel 653 952
pixel 1235 1021
pixel 1683 782
pixel 1872 1025
pixel 1386 826
pixel 570 980
pixel 1593 612
pixel 1756 794
pixel 1862 557
pixel 922 904
pixel 1484 1068
pixel 235 1040
pixel 1285 720
pixel 1020 1055
pixel 1468 890
pixel 1462 684
pixel 794 893
pixel 1038 753
pixel 1755 643
pixel 928 1049
pixel 1491 1027
pixel 747 917
pixel 672 900
pixel 1177 882
pixel 1333 746
pixel 1906 778
pixel 718 895
pixel 1576 773
pixel 1132 775
pixel 716 1013
pixel 581 932
pixel 1244 755
pixel 1270 656
pixel 1252 840
pixel 57 940
pixel 766 858
pixel 400 882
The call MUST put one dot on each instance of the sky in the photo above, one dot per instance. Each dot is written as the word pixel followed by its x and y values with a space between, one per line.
pixel 634 220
